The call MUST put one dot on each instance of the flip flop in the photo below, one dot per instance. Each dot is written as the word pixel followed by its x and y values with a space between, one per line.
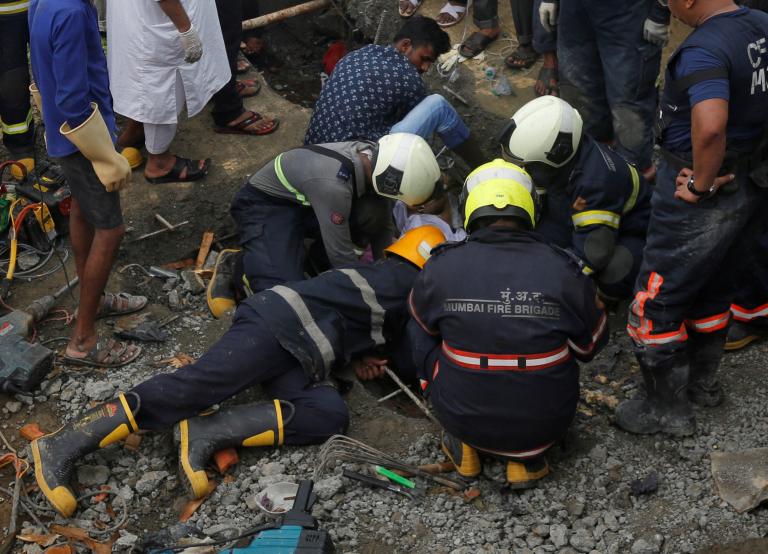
pixel 457 12
pixel 110 354
pixel 242 127
pixel 548 76
pixel 475 44
pixel 174 175
pixel 243 84
pixel 414 3
pixel 522 58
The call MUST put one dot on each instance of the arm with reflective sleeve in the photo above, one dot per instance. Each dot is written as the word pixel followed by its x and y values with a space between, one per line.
pixel 423 329
pixel 588 323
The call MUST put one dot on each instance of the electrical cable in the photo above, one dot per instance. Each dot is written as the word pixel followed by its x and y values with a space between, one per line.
pixel 248 533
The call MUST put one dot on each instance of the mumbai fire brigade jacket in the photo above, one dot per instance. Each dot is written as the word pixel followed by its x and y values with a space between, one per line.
pixel 499 320
pixel 339 315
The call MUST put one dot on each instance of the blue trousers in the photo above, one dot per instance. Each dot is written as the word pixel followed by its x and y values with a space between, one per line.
pixel 247 355
pixel 608 72
pixel 692 257
pixel 272 233
pixel 432 115
pixel 750 304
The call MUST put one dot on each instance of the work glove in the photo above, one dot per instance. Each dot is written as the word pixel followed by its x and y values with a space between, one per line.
pixel 193 47
pixel 656 33
pixel 93 140
pixel 548 14
pixel 36 99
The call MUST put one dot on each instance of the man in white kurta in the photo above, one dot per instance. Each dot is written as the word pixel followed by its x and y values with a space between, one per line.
pixel 153 72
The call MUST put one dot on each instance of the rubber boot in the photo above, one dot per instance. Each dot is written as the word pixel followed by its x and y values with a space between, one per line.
pixel 464 458
pixel 525 474
pixel 705 350
pixel 666 408
pixel 221 291
pixel 470 152
pixel 742 334
pixel 259 424
pixel 55 454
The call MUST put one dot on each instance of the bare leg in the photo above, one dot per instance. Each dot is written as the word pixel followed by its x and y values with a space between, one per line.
pixel 95 251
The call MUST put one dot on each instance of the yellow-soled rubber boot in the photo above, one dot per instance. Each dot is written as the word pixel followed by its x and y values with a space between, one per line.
pixel 741 335
pixel 221 291
pixel 55 454
pixel 260 424
pixel 133 155
pixel 526 474
pixel 464 458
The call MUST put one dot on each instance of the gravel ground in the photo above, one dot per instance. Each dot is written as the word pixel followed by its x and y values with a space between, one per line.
pixel 596 499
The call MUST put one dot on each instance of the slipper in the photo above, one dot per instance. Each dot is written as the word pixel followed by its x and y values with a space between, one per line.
pixel 174 175
pixel 109 354
pixel 457 13
pixel 244 84
pixel 549 82
pixel 475 44
pixel 242 127
pixel 414 3
pixel 243 65
pixel 522 58
pixel 122 303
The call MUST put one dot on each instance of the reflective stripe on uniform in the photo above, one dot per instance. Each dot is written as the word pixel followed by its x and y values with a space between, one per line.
pixel 507 362
pixel 17 128
pixel 596 217
pixel 745 314
pixel 643 333
pixel 296 302
pixel 596 334
pixel 632 200
pixel 681 335
pixel 14 7
pixel 586 270
pixel 284 181
pixel 369 297
pixel 709 324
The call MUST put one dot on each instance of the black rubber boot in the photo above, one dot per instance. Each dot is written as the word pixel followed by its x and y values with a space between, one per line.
pixel 705 350
pixel 470 152
pixel 666 408
pixel 259 424
pixel 525 474
pixel 55 454
pixel 464 458
pixel 741 334
pixel 221 291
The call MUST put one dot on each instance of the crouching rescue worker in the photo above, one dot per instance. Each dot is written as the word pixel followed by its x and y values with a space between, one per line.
pixel 288 339
pixel 495 349
pixel 319 191
pixel 707 197
pixel 595 204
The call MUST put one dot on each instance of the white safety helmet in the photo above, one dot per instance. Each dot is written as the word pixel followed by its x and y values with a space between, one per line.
pixel 546 130
pixel 405 168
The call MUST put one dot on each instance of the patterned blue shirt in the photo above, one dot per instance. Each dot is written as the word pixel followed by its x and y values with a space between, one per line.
pixel 369 91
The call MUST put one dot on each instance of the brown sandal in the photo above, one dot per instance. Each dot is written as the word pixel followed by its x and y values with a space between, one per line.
pixel 242 127
pixel 110 354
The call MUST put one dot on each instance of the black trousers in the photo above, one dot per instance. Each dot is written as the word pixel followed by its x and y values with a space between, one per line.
pixel 15 114
pixel 227 104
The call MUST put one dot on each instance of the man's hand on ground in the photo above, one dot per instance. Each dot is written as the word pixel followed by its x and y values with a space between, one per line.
pixel 368 367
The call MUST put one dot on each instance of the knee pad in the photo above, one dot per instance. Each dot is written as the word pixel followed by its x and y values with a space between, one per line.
pixel 629 127
pixel 14 89
pixel 599 247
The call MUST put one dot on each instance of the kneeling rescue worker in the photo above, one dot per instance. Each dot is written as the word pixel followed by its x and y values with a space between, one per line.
pixel 594 203
pixel 288 339
pixel 495 349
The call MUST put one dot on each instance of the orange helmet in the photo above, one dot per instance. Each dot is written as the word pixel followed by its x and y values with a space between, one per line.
pixel 417 244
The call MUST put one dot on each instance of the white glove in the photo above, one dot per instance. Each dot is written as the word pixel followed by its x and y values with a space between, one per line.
pixel 193 47
pixel 548 14
pixel 655 33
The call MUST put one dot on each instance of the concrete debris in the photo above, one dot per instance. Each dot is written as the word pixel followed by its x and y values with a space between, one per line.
pixel 88 475
pixel 741 477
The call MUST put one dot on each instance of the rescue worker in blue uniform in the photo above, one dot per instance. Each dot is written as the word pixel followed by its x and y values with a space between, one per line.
pixel 709 195
pixel 497 349
pixel 609 54
pixel 16 122
pixel 288 339
pixel 319 192
pixel 595 204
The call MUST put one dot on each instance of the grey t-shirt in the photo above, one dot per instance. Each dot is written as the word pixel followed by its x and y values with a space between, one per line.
pixel 312 179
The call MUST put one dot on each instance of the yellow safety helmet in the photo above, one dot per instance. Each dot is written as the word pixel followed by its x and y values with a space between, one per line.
pixel 416 244
pixel 500 199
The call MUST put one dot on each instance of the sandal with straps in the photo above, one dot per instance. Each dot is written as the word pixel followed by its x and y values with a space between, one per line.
pixel 242 127
pixel 455 11
pixel 414 3
pixel 107 353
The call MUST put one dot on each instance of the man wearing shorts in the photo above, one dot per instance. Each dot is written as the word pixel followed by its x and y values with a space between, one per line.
pixel 70 72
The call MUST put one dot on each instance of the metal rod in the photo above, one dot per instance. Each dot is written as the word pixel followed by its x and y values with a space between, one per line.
pixel 390 395
pixel 153 233
pixel 456 95
pixel 286 13
pixel 164 222
pixel 66 287
pixel 412 396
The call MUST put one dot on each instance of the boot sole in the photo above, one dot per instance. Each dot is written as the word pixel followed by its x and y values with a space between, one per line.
pixel 196 482
pixel 739 344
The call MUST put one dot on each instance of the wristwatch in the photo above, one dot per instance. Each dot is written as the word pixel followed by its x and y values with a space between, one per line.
pixel 693 190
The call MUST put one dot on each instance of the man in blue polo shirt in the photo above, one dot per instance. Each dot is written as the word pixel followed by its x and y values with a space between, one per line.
pixel 72 94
